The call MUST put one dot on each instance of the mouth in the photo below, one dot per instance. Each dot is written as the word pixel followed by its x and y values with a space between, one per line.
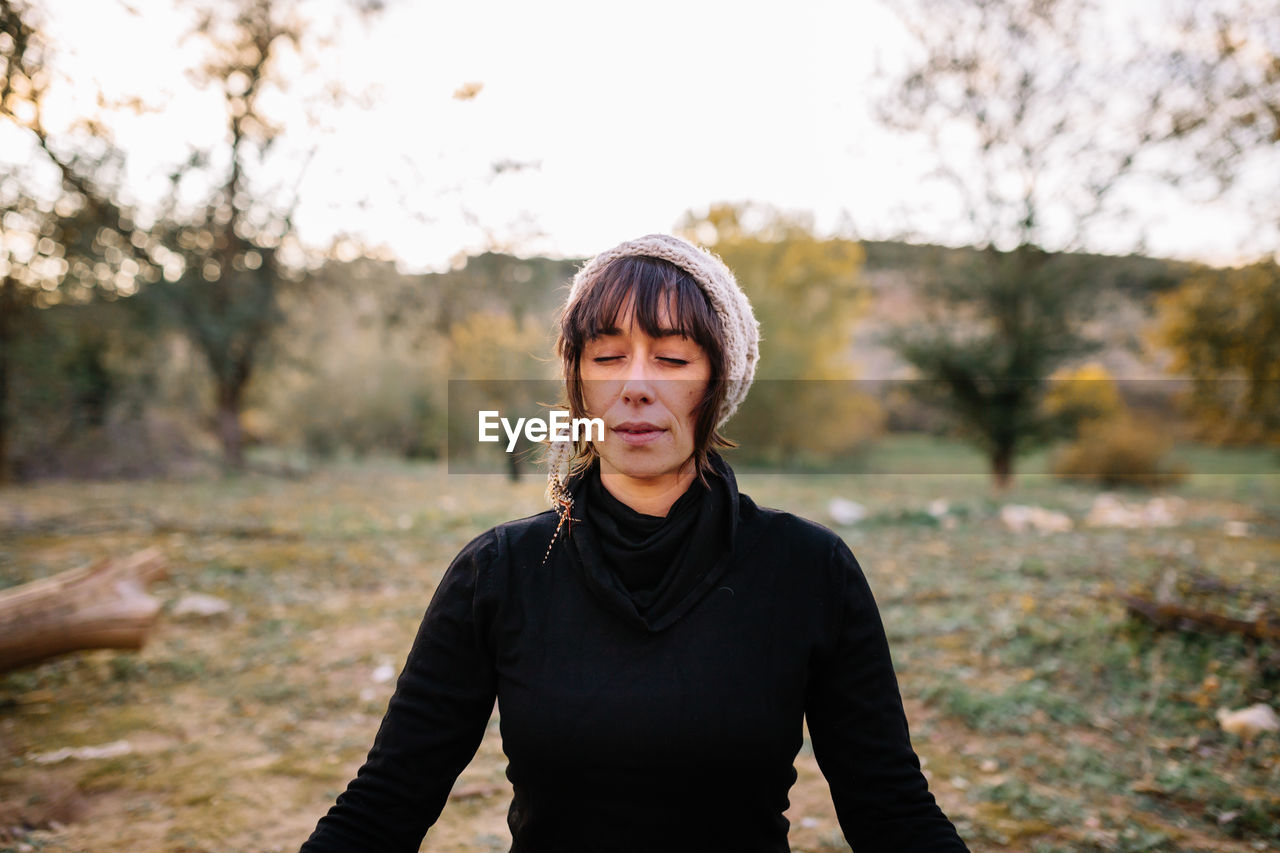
pixel 638 433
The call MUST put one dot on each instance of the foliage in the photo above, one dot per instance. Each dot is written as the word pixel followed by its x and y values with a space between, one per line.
pixel 99 391
pixel 1223 328
pixel 1012 108
pixel 1113 447
pixel 64 236
pixel 995 328
pixel 229 248
pixel 495 364
pixel 363 360
pixel 1084 392
pixel 355 365
pixel 806 292
pixel 1119 451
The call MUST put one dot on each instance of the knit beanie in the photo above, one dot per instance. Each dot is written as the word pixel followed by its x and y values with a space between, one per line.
pixel 738 324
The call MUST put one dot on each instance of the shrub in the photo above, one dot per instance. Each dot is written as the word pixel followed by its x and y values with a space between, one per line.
pixel 1118 451
pixel 1087 392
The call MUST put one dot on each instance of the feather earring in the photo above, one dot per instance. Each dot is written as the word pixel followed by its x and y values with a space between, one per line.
pixel 559 455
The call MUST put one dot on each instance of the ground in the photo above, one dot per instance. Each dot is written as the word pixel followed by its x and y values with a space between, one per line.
pixel 1046 718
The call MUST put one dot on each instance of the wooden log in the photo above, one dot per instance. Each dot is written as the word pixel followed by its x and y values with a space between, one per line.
pixel 104 606
pixel 1175 616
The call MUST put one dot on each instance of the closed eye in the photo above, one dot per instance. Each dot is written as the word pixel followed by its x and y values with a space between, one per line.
pixel 675 361
pixel 601 359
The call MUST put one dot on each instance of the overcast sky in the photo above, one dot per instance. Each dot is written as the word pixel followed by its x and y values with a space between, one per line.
pixel 624 116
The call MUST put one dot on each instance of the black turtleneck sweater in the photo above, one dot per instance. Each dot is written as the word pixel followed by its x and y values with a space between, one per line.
pixel 647 708
pixel 658 559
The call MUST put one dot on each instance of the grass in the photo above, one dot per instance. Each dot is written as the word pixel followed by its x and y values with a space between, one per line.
pixel 1046 719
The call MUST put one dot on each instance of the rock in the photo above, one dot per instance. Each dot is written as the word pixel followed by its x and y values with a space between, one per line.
pixel 1236 528
pixel 383 674
pixel 1109 511
pixel 197 606
pixel 1247 722
pixel 83 753
pixel 938 507
pixel 1019 518
pixel 844 512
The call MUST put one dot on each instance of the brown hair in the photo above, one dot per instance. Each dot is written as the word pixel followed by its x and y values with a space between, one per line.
pixel 649 285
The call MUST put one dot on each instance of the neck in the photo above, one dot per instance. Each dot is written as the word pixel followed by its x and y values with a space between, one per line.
pixel 648 495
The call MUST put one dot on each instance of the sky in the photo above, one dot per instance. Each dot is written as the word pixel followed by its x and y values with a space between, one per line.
pixel 622 118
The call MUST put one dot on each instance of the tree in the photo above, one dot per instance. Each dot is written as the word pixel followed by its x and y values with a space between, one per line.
pixel 1218 76
pixel 1030 144
pixel 1223 328
pixel 996 326
pixel 233 245
pixel 1223 108
pixel 223 240
pixel 64 237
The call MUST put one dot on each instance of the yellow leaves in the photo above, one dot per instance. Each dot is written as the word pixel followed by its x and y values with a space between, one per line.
pixel 1205 695
pixel 1088 389
pixel 1220 328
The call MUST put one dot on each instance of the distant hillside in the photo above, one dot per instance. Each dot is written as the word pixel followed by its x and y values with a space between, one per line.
pixel 537 286
pixel 1129 287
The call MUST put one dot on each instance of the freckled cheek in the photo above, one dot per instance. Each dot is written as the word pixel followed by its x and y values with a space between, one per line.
pixel 688 404
pixel 598 395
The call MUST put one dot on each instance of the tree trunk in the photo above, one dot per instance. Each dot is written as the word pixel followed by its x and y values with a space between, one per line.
pixel 230 431
pixel 8 322
pixel 1002 468
pixel 102 607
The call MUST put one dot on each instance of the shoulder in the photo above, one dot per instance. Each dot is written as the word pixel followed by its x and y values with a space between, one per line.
pixel 482 567
pixel 512 539
pixel 801 536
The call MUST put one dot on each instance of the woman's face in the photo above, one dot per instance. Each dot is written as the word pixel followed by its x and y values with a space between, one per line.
pixel 646 389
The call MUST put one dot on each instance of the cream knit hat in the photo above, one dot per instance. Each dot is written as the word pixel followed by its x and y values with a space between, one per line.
pixel 738 323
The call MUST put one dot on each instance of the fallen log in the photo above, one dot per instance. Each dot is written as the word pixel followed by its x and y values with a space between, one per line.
pixel 104 606
pixel 1179 617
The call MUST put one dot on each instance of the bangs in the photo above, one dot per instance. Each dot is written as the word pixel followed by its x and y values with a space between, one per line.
pixel 652 288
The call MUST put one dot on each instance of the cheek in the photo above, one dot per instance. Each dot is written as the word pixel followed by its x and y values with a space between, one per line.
pixel 595 396
pixel 688 408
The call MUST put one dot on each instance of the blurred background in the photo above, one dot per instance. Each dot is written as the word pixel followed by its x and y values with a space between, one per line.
pixel 1015 263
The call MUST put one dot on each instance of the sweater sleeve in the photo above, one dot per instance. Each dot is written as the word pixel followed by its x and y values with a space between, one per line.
pixel 433 724
pixel 859 729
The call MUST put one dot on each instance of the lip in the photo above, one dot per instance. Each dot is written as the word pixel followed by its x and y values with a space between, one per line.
pixel 637 433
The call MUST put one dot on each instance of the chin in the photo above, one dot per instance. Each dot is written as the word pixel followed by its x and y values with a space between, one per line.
pixel 641 466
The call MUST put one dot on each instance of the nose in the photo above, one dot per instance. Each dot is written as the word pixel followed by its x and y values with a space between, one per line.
pixel 637 385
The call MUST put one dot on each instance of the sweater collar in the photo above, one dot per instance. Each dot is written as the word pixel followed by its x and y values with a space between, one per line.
pixel 698 578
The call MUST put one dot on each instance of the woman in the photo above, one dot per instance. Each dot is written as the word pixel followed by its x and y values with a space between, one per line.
pixel 655 643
